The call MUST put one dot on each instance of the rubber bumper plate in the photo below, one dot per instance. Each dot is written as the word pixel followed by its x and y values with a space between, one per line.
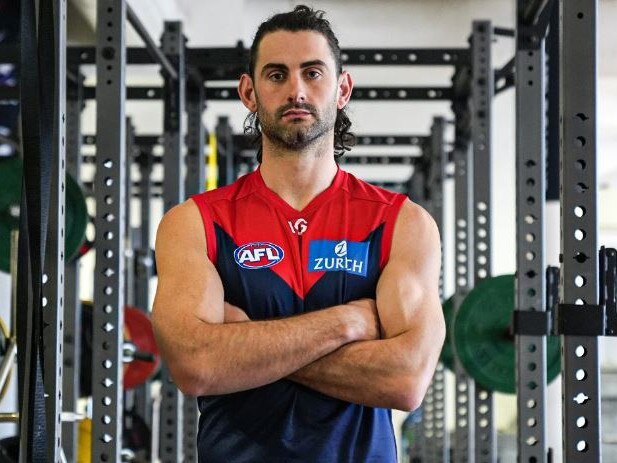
pixel 482 339
pixel 76 217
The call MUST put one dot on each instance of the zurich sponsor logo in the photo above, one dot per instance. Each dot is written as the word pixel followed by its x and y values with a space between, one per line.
pixel 258 255
pixel 338 256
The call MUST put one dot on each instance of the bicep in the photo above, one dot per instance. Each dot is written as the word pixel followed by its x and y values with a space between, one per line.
pixel 188 283
pixel 408 288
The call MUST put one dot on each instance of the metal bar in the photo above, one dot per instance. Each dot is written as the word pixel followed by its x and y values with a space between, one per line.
pixel 463 221
pixel 108 315
pixel 231 93
pixel 530 261
pixel 404 56
pixel 439 443
pixel 552 81
pixel 244 141
pixel 173 193
pixel 143 269
pixel 53 277
pixel 195 179
pixel 226 152
pixel 72 304
pixel 481 96
pixel 578 186
pixel 153 51
pixel 194 184
pixel 203 57
pixel 129 254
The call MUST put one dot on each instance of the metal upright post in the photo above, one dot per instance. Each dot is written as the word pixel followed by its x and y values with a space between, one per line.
pixel 439 442
pixel 482 88
pixel 143 267
pixel 53 277
pixel 194 184
pixel 226 161
pixel 173 193
pixel 578 186
pixel 464 387
pixel 108 316
pixel 530 261
pixel 72 304
pixel 129 251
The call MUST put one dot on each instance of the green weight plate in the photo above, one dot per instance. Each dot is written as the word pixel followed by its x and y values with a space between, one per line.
pixel 76 217
pixel 447 352
pixel 482 339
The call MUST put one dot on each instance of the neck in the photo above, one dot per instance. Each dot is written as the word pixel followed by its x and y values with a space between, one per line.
pixel 298 176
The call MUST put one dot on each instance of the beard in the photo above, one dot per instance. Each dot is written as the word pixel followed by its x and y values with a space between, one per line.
pixel 296 136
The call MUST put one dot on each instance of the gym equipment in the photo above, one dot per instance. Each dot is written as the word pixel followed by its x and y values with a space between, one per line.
pixel 447 352
pixel 11 171
pixel 483 339
pixel 140 353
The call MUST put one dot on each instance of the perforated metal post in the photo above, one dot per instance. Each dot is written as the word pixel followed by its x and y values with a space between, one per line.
pixel 108 316
pixel 464 385
pixel 72 304
pixel 438 442
pixel 194 183
pixel 482 87
pixel 53 277
pixel 142 404
pixel 578 183
pixel 171 432
pixel 530 262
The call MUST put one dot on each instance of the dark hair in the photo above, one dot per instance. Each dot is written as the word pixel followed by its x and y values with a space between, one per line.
pixel 302 18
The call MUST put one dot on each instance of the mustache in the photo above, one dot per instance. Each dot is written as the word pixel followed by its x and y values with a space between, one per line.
pixel 301 106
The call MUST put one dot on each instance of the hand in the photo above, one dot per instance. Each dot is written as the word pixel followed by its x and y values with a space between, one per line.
pixel 235 314
pixel 367 319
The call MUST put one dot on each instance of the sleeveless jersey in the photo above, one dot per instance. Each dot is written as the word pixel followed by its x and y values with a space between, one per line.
pixel 275 261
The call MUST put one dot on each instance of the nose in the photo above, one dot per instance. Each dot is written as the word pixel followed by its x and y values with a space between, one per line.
pixel 297 90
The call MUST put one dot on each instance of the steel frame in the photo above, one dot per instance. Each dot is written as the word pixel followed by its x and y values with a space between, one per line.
pixel 108 316
pixel 482 89
pixel 172 44
pixel 578 186
pixel 530 279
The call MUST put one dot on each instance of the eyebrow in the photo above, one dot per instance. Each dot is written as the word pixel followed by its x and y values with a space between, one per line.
pixel 306 64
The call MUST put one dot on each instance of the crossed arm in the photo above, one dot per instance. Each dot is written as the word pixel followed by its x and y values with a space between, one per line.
pixel 338 351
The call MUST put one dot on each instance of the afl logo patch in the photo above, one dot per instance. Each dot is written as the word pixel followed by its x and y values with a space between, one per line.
pixel 258 255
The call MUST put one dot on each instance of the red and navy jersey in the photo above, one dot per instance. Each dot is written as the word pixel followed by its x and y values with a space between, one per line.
pixel 275 261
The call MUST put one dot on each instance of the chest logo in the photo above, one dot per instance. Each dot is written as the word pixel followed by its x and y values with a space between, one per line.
pixel 338 256
pixel 258 255
pixel 299 226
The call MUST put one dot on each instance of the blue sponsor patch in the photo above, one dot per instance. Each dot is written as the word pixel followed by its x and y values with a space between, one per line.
pixel 258 255
pixel 338 256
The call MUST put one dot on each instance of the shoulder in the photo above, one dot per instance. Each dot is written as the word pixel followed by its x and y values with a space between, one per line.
pixel 181 221
pixel 359 189
pixel 415 230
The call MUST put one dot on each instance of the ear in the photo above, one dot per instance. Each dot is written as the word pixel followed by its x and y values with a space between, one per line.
pixel 345 86
pixel 247 92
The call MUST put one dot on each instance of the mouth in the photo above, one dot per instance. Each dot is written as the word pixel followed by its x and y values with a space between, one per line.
pixel 295 113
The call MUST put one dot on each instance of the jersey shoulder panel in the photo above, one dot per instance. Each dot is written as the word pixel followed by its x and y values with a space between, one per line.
pixel 360 190
pixel 242 187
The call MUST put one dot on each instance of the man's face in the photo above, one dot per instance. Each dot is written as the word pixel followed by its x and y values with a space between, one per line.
pixel 295 88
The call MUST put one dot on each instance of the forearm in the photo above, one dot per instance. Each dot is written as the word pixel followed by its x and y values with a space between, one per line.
pixel 216 359
pixel 373 373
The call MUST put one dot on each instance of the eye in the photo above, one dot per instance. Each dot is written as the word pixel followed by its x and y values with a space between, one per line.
pixel 313 73
pixel 276 76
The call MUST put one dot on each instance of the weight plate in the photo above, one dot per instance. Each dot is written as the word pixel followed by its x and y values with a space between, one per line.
pixel 482 339
pixel 447 352
pixel 138 330
pixel 76 217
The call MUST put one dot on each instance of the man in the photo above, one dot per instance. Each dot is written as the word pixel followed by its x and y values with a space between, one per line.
pixel 300 303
